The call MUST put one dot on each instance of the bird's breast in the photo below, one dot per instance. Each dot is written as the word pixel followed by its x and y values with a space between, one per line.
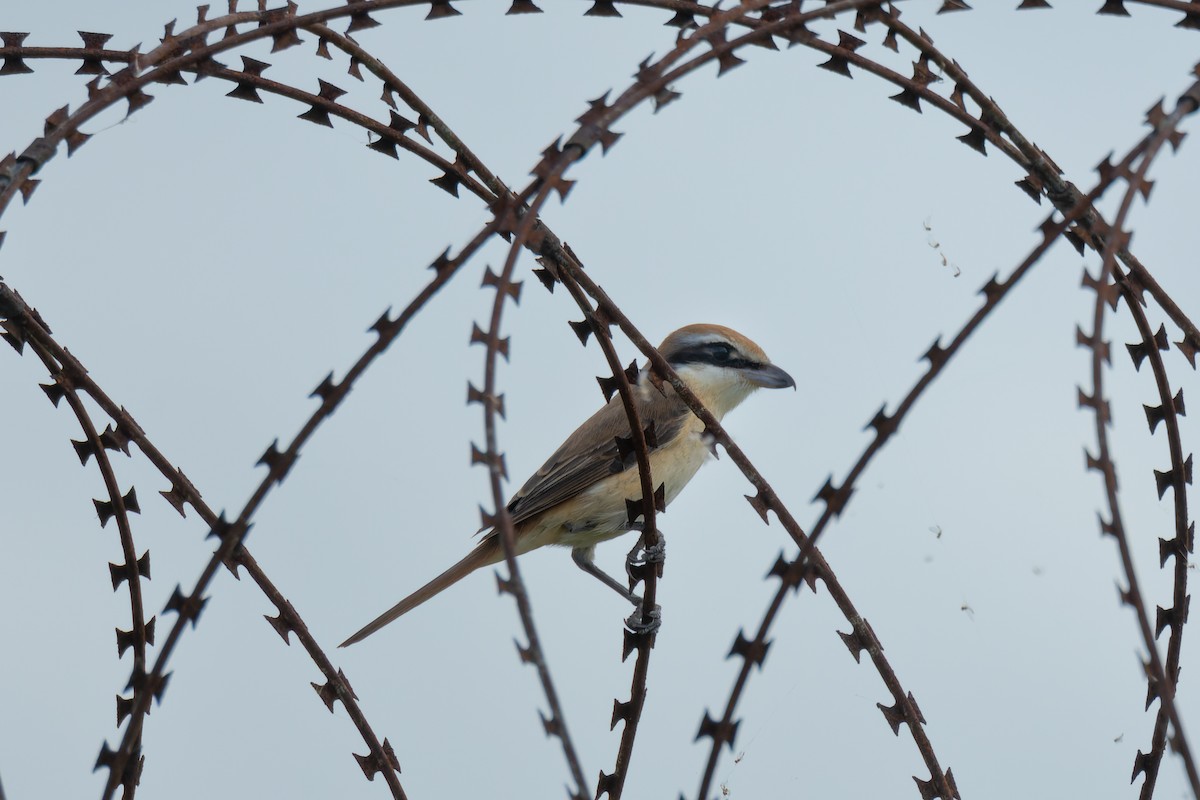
pixel 677 463
pixel 599 512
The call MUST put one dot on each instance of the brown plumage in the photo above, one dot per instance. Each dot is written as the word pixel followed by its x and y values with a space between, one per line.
pixel 577 498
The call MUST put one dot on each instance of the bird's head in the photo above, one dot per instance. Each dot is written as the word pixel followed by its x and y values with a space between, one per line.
pixel 721 365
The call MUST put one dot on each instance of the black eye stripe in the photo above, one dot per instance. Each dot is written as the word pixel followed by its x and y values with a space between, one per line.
pixel 702 352
pixel 718 353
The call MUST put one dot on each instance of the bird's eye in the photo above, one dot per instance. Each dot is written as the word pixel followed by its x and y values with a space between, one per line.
pixel 720 352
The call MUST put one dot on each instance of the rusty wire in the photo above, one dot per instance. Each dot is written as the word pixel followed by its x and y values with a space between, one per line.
pixel 232 553
pixel 640 637
pixel 836 497
pixel 381 757
pixel 118 506
pixel 653 82
pixel 989 125
pixel 1161 676
pixel 595 128
pixel 652 79
pixel 500 198
pixel 1045 177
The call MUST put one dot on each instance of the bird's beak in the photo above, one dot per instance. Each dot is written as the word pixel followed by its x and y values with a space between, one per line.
pixel 769 376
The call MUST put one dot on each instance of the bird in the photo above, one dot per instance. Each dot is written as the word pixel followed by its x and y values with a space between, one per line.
pixel 577 498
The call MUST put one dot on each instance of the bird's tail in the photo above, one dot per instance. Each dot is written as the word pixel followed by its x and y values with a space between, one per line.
pixel 486 552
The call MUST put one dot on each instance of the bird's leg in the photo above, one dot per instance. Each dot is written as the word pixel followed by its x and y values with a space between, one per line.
pixel 582 556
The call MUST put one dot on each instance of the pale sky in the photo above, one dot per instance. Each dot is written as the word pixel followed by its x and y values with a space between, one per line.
pixel 210 260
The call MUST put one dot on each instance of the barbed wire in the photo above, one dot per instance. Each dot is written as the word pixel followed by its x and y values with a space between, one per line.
pixel 1161 677
pixel 515 215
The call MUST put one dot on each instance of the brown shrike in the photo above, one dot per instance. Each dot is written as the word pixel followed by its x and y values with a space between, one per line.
pixel 577 499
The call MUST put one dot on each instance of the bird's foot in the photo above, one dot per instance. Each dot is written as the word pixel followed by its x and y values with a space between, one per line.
pixel 656 554
pixel 642 559
pixel 645 624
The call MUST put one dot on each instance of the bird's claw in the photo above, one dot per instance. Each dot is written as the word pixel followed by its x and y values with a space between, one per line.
pixel 656 554
pixel 644 624
pixel 641 558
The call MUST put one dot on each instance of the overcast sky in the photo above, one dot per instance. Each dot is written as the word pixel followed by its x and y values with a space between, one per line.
pixel 210 260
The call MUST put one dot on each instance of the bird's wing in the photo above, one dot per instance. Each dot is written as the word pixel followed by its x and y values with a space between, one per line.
pixel 590 453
